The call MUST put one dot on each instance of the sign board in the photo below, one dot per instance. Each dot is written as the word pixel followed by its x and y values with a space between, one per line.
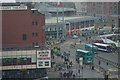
pixel 13 7
pixel 43 59
pixel 81 60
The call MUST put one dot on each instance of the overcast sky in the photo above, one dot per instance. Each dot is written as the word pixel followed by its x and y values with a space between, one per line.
pixel 8 1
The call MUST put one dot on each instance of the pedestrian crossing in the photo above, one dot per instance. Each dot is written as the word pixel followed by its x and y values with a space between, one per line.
pixel 69 42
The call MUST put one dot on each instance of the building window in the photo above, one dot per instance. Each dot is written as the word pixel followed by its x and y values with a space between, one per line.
pixel 115 12
pixel 93 4
pixel 55 29
pixel 50 29
pixel 110 3
pixel 36 34
pixel 47 63
pixel 36 44
pixel 32 11
pixel 115 7
pixel 24 37
pixel 40 63
pixel 36 23
pixel 111 7
pixel 33 34
pixel 33 23
pixel 112 19
pixel 33 44
pixel 115 3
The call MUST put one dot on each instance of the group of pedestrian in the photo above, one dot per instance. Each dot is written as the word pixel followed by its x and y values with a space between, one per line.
pixel 67 74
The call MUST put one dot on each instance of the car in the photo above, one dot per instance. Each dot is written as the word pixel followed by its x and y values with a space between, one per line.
pixel 75 36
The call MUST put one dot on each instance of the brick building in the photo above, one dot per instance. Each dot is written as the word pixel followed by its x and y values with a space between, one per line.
pixel 102 8
pixel 22 26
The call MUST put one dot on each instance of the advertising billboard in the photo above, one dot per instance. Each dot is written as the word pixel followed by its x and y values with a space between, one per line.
pixel 43 59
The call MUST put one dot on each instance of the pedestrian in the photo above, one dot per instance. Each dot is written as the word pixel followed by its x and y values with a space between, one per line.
pixel 62 56
pixel 67 75
pixel 73 76
pixel 71 63
pixel 71 72
pixel 53 57
pixel 80 41
pixel 86 38
pixel 75 43
pixel 61 74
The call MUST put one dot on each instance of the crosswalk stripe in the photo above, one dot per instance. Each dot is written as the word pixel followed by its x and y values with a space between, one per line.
pixel 73 43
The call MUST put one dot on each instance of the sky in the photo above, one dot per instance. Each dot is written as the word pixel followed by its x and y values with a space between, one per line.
pixel 8 1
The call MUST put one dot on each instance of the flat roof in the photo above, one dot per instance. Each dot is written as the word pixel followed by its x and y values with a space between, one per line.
pixel 90 45
pixel 108 35
pixel 88 18
pixel 54 9
pixel 83 50
pixel 101 44
pixel 114 15
pixel 69 19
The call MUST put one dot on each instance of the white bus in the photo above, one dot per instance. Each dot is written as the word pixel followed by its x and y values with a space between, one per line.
pixel 103 47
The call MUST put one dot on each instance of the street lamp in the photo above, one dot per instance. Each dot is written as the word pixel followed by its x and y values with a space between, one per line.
pixel 81 64
pixel 92 57
pixel 57 20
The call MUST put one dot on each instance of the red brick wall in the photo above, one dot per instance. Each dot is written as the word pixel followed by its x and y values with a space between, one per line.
pixel 15 23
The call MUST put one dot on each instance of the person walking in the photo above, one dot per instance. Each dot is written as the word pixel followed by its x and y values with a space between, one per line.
pixel 61 74
pixel 73 76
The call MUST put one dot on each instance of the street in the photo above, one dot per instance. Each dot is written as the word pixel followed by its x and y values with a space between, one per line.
pixel 87 72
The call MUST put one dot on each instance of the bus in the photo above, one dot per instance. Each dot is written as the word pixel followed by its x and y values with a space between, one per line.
pixel 92 48
pixel 86 55
pixel 103 47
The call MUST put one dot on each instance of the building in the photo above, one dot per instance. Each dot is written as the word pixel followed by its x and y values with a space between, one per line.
pixel 52 8
pixel 23 39
pixel 22 26
pixel 102 8
pixel 71 24
pixel 25 63
pixel 81 8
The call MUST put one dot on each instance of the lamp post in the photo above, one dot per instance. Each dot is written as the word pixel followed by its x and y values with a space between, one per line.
pixel 57 20
pixel 92 57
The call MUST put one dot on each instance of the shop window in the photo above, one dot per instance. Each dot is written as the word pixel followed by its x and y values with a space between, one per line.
pixel 40 63
pixel 24 60
pixel 14 60
pixel 47 63
pixel 18 60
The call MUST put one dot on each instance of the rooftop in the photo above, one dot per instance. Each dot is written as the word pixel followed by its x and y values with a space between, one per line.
pixel 54 9
pixel 69 19
pixel 83 50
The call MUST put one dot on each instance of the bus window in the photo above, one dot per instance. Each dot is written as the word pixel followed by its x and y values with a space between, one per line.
pixel 88 54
